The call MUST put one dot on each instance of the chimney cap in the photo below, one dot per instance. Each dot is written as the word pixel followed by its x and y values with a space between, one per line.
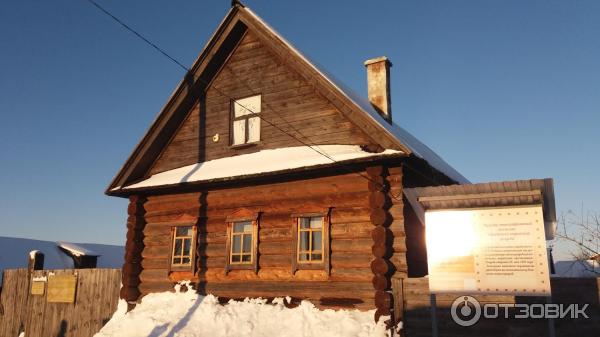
pixel 377 60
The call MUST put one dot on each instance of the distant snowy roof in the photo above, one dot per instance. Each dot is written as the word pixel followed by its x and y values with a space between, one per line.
pixel 275 160
pixel 14 253
pixel 577 268
pixel 417 147
pixel 76 250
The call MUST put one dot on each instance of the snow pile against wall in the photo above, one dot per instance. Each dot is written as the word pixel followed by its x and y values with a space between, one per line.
pixel 188 314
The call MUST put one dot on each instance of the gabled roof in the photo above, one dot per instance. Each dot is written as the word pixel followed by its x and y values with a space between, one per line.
pixel 236 22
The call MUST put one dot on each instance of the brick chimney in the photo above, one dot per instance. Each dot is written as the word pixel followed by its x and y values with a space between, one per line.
pixel 378 82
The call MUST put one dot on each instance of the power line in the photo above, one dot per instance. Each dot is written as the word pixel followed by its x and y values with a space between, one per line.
pixel 172 59
pixel 119 21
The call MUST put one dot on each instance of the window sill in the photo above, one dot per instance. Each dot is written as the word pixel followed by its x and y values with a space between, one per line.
pixel 310 266
pixel 245 145
pixel 241 266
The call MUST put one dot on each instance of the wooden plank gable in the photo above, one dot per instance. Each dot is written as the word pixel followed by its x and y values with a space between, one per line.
pixel 293 112
pixel 245 47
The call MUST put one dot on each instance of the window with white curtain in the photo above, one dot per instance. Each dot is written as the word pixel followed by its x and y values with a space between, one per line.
pixel 245 128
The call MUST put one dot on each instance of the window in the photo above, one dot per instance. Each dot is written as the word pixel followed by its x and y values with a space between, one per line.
pixel 242 238
pixel 311 241
pixel 245 121
pixel 183 247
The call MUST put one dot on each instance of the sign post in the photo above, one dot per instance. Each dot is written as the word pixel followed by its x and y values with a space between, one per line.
pixel 500 250
pixel 495 250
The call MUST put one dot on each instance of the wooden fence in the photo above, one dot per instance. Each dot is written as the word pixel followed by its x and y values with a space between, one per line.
pixel 415 305
pixel 96 298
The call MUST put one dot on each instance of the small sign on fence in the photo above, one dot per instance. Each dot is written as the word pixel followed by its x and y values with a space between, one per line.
pixel 38 287
pixel 61 288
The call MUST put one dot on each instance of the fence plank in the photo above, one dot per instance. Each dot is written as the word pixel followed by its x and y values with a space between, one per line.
pixel 97 296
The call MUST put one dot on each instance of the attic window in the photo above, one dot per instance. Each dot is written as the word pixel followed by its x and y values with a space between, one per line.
pixel 245 121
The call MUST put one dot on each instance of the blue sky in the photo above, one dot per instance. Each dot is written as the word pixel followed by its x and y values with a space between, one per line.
pixel 501 89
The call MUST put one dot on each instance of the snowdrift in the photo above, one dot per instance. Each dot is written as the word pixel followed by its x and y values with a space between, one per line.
pixel 187 314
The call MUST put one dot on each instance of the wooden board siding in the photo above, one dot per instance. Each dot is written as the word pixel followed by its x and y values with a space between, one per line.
pixel 349 282
pixel 288 101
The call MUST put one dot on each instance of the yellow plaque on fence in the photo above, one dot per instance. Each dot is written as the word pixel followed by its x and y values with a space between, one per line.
pixel 61 288
pixel 38 287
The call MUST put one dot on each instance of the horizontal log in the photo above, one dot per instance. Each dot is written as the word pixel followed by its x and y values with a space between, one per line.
pixel 379 200
pixel 275 234
pixel 381 266
pixel 275 248
pixel 351 245
pixel 176 216
pixel 159 263
pixel 184 202
pixel 380 234
pixel 350 215
pixel 349 260
pixel 212 250
pixel 379 217
pixel 375 171
pixel 383 299
pixel 129 294
pixel 381 250
pixel 380 282
pixel 154 252
pixel 154 275
pixel 157 240
pixel 275 261
pixel 320 288
pixel 155 287
pixel 285 274
pixel 351 230
pixel 132 268
pixel 211 262
pixel 161 230
pixel 295 205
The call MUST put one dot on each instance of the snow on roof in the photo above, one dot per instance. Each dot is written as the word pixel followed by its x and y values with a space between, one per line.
pixel 577 268
pixel 417 147
pixel 15 252
pixel 192 315
pixel 264 161
pixel 76 250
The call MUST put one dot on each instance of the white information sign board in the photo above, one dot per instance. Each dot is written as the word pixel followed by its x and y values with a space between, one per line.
pixel 500 250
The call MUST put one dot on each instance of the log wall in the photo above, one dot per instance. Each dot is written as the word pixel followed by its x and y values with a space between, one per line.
pixel 349 283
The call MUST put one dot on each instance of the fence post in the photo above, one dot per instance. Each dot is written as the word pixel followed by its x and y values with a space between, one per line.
pixel 35 261
pixel 398 293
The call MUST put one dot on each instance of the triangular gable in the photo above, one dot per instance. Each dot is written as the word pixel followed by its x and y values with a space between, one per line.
pixel 221 44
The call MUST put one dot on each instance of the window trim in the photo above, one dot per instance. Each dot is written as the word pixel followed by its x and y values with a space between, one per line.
pixel 237 217
pixel 233 119
pixel 192 266
pixel 325 263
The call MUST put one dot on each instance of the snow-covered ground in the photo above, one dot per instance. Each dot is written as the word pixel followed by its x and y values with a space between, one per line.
pixel 186 314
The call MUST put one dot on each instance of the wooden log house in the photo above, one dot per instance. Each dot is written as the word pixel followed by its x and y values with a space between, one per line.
pixel 264 177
